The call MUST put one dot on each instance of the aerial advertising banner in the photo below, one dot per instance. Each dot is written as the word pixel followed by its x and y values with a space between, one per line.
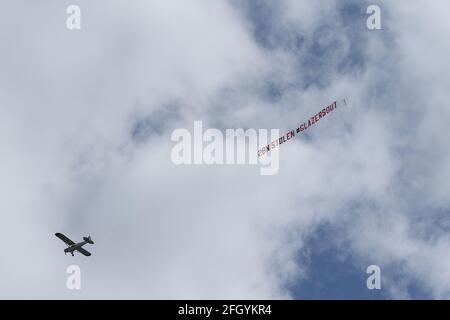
pixel 303 127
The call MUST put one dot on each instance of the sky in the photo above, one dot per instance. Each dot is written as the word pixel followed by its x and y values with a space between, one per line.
pixel 86 118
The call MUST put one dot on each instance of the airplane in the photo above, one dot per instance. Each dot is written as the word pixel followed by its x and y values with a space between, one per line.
pixel 72 246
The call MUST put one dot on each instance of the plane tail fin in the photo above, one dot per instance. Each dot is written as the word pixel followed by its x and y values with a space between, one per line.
pixel 88 240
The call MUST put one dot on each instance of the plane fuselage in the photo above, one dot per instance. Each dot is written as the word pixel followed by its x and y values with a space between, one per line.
pixel 75 246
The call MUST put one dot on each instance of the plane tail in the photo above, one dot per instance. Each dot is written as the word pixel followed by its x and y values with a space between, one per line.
pixel 88 240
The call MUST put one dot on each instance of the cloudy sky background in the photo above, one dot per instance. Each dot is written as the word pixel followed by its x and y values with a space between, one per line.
pixel 85 124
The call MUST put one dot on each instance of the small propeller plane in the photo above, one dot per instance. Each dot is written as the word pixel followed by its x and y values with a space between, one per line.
pixel 72 246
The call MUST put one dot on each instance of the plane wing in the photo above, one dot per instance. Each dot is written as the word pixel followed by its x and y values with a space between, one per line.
pixel 65 239
pixel 84 252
